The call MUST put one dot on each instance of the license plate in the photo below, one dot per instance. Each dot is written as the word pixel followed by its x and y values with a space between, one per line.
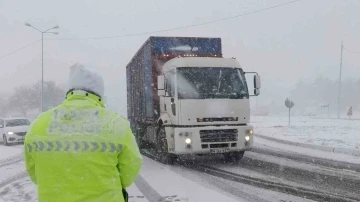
pixel 21 139
pixel 219 151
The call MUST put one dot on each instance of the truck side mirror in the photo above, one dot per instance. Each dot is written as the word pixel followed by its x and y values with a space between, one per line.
pixel 161 93
pixel 257 82
pixel 161 85
pixel 161 82
pixel 256 91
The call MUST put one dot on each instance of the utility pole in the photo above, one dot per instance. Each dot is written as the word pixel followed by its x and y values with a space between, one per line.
pixel 42 72
pixel 42 59
pixel 339 93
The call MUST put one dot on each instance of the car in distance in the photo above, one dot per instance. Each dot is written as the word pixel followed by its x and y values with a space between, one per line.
pixel 13 130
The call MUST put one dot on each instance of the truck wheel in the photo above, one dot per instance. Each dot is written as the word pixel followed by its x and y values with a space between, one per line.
pixel 139 134
pixel 140 142
pixel 162 148
pixel 234 156
pixel 5 141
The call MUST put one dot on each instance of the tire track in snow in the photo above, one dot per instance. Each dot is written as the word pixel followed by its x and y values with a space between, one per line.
pixel 151 194
pixel 321 179
pixel 11 171
pixel 20 190
pixel 325 177
pixel 310 193
pixel 13 178
pixel 11 160
pixel 308 159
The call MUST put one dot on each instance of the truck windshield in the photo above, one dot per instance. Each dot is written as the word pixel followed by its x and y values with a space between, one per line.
pixel 211 83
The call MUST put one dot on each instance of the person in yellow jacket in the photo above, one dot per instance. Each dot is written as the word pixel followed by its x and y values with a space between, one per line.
pixel 79 150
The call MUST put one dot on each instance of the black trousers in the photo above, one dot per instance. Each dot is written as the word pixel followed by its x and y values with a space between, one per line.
pixel 125 194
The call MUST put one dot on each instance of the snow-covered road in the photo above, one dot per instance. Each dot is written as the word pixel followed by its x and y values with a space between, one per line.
pixel 271 172
pixel 157 182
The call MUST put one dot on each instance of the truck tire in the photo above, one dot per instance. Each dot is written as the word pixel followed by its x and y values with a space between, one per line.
pixel 142 144
pixel 162 148
pixel 234 156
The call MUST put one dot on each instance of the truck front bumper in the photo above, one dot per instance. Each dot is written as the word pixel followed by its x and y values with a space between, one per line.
pixel 211 139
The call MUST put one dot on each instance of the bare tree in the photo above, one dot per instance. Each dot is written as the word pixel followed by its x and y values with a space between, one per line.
pixel 4 108
pixel 21 100
pixel 27 98
pixel 323 91
pixel 53 95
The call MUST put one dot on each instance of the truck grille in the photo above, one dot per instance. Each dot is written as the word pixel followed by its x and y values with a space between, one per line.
pixel 228 135
pixel 217 119
pixel 21 133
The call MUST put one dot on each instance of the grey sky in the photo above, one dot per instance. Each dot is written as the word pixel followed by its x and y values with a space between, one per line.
pixel 301 40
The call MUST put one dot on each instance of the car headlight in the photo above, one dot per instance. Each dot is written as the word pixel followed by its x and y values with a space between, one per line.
pixel 188 141
pixel 10 133
pixel 247 138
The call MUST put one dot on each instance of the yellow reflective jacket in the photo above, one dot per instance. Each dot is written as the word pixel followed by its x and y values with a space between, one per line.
pixel 80 151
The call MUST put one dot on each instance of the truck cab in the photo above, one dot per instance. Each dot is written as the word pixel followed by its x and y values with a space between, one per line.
pixel 204 106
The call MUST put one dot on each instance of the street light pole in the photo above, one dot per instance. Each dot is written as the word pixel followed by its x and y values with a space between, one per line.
pixel 339 93
pixel 42 60
pixel 42 71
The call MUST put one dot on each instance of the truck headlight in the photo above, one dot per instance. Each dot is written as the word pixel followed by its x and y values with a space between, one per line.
pixel 10 133
pixel 188 141
pixel 250 132
pixel 247 138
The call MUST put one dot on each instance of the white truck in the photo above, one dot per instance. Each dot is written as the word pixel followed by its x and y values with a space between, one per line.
pixel 185 98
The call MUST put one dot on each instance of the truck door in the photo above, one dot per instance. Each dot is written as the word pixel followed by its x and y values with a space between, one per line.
pixel 170 98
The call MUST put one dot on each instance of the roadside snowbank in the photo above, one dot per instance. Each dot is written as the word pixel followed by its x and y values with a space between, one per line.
pixel 332 133
pixel 271 145
pixel 174 187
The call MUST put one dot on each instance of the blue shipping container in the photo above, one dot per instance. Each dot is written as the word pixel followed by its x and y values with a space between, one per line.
pixel 185 45
pixel 145 66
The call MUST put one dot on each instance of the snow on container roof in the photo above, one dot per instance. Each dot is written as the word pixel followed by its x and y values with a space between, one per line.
pixel 185 45
pixel 200 62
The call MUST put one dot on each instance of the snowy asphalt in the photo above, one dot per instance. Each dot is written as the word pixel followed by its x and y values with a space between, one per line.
pixel 309 159
pixel 262 175
pixel 291 175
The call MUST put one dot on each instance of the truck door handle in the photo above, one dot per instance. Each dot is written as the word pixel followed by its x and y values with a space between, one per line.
pixel 165 107
pixel 173 109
